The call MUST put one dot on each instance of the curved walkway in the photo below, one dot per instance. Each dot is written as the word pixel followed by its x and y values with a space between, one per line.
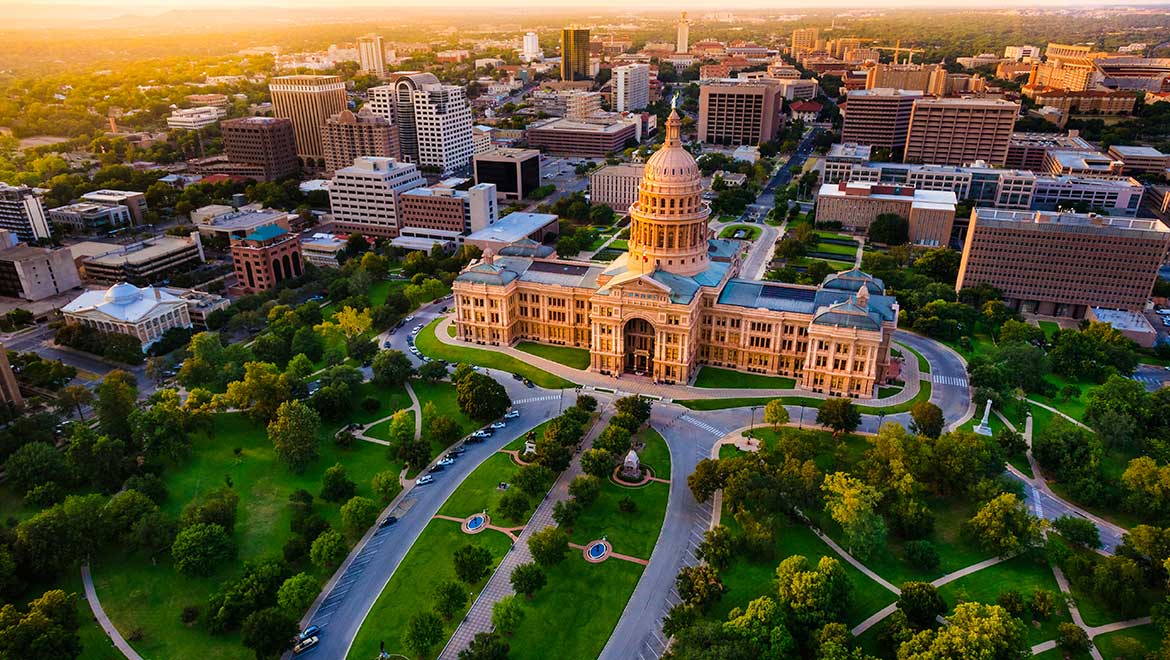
pixel 95 606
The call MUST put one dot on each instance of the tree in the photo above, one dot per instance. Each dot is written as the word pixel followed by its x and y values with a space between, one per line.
pixel 485 646
pixel 706 479
pixel 482 398
pixel 116 398
pixel 1078 530
pixel 527 579
pixel 442 429
pixel 890 229
pixel 921 553
pixel 636 407
pixel 813 595
pixel 585 489
pixel 921 604
pixel 776 414
pixel 450 597
pixel 928 419
pixel 297 593
pixel 840 415
pixel 1005 526
pixel 198 550
pixel 549 546
pixel 939 264
pixel 472 563
pixel 125 509
pixel 73 399
pixel 328 549
pixel 423 631
pixel 962 458
pixel 534 480
pixel 1072 638
pixel 385 484
pixel 261 391
pixel 268 632
pixel 294 434
pixel 699 586
pixel 358 514
pixel 717 547
pixel 391 368
pixel 566 512
pixel 431 372
pixel 46 631
pixel 34 464
pixel 853 505
pixel 976 631
pixel 507 614
pixel 513 505
pixel 336 486
pixel 597 462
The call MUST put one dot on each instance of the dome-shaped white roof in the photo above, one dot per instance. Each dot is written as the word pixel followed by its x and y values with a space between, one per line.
pixel 672 163
pixel 123 293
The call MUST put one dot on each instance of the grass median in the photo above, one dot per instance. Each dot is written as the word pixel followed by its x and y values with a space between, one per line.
pixel 429 345
pixel 574 358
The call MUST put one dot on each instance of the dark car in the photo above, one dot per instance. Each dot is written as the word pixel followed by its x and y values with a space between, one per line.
pixel 437 468
pixel 472 440
pixel 388 521
pixel 528 383
pixel 309 632
pixel 517 376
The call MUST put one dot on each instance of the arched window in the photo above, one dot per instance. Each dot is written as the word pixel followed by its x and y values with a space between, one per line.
pixel 276 270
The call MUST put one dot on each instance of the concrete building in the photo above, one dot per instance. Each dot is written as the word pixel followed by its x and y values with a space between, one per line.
pixel 228 222
pixel 1140 159
pixel 143 313
pixel 631 87
pixel 265 257
pixel 514 172
pixel 931 213
pixel 348 135
pixel 364 196
pixel 798 89
pixel 444 215
pixel 1021 52
pixel 34 273
pixel 9 388
pixel 193 119
pixel 911 77
pixel 593 138
pixel 960 131
pixel 1082 163
pixel 672 303
pixel 1134 325
pixel 219 101
pixel 89 216
pixel 307 101
pixel 1026 150
pixel 372 55
pixel 382 101
pixel 1060 264
pixel 878 117
pixel 145 261
pixel 323 250
pixel 804 40
pixel 1095 101
pixel 574 54
pixel 265 144
pixel 481 138
pixel 531 50
pixel 735 112
pixel 616 185
pixel 434 122
pixel 22 213
pixel 683 37
pixel 516 228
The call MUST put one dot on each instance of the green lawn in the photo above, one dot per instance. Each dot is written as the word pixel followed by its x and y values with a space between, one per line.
pixel 445 398
pixel 409 590
pixel 518 443
pixel 1073 407
pixel 1049 328
pixel 1023 574
pixel 619 244
pixel 574 358
pixel 808 402
pixel 750 233
pixel 95 645
pixel 835 264
pixel 451 330
pixel 392 399
pixel 378 293
pixel 656 454
pixel 836 248
pixel 716 378
pixel 884 391
pixel 138 595
pixel 480 492
pixel 633 533
pixel 430 345
pixel 575 613
pixel 1147 635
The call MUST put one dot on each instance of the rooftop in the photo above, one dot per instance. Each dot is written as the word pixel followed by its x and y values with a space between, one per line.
pixel 266 233
pixel 1056 218
pixel 122 302
pixel 851 151
pixel 562 124
pixel 109 254
pixel 1123 320
pixel 1144 152
pixel 513 227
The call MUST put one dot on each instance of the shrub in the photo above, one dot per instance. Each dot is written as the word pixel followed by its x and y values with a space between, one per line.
pixel 922 554
pixel 627 505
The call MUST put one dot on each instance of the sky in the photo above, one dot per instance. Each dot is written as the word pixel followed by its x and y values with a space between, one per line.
pixel 151 6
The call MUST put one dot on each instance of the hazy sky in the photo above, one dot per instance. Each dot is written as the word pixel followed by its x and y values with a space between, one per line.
pixel 150 6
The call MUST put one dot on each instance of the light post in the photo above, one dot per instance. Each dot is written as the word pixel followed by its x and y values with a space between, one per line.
pixel 752 428
pixel 800 419
pixel 881 418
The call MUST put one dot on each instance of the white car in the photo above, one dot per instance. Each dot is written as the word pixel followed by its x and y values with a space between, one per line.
pixel 498 425
pixel 446 461
pixel 512 414
pixel 424 480
pixel 415 329
pixel 409 319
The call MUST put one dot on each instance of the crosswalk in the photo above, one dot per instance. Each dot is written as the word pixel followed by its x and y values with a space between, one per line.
pixel 1150 381
pixel 534 399
pixel 953 381
pixel 713 430
pixel 324 613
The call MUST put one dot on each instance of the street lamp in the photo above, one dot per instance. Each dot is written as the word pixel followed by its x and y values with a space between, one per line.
pixel 800 419
pixel 752 428
pixel 881 418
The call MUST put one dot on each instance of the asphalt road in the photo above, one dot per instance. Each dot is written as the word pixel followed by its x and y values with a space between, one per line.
pixel 949 389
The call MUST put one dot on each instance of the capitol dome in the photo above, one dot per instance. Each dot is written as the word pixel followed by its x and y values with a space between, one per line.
pixel 672 163
pixel 123 293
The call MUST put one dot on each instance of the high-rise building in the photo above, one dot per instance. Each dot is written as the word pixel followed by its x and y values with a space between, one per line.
pixel 265 258
pixel 381 101
pixel 434 122
pixel 878 117
pixel 22 213
pixel 364 196
pixel 1018 53
pixel 919 77
pixel 531 49
pixel 682 43
pixel 960 131
pixel 266 142
pixel 804 40
pixel 308 100
pixel 442 214
pixel 737 112
pixel 34 273
pixel 515 173
pixel 574 54
pixel 372 55
pixel 631 87
pixel 1059 264
pixel 347 135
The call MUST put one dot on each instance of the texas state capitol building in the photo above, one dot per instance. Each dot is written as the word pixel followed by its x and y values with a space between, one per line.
pixel 673 303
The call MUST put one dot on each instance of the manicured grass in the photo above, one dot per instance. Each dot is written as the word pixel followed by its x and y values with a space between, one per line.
pixel 451 331
pixel 95 645
pixel 835 264
pixel 392 399
pixel 924 388
pixel 1147 635
pixel 633 533
pixel 1022 574
pixel 1073 407
pixel 884 392
pixel 575 613
pixel 574 358
pixel 750 233
pixel 923 364
pixel 730 451
pixel 480 492
pixel 378 293
pixel 430 345
pixel 656 454
pixel 445 398
pixel 140 595
pixel 716 378
pixel 619 244
pixel 518 443
pixel 1049 328
pixel 835 236
pixel 410 589
pixel 836 248
pixel 381 430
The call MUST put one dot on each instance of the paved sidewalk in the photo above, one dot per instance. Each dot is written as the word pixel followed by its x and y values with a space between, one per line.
pixel 104 621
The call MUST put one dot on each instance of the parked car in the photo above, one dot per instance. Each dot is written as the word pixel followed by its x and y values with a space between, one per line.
pixel 528 383
pixel 437 467
pixel 498 425
pixel 311 631
pixel 482 433
pixel 388 521
pixel 456 451
pixel 386 344
pixel 473 439
pixel 446 461
pixel 305 645
pixel 512 414
pixel 424 480
pixel 408 319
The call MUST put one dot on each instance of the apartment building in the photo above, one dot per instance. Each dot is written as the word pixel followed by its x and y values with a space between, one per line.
pixel 878 117
pixel 738 112
pixel 348 135
pixel 912 77
pixel 1060 264
pixel 514 172
pixel 364 196
pixel 960 131
pixel 307 101
pixel 804 40
pixel 22 213
pixel 931 213
pixel 372 55
pixel 631 87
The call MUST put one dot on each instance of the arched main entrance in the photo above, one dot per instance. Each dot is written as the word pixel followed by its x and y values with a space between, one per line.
pixel 638 338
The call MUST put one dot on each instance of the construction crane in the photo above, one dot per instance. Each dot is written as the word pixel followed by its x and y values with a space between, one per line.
pixel 898 50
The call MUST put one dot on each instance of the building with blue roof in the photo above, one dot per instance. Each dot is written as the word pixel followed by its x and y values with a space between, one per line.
pixel 265 257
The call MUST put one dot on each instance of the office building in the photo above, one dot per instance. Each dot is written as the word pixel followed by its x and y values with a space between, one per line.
pixel 481 138
pixel 22 213
pixel 878 117
pixel 514 172
pixel 264 146
pixel 913 77
pixel 89 216
pixel 855 205
pixel 265 257
pixel 364 196
pixel 34 273
pixel 434 122
pixel 1060 264
pixel 798 89
pixel 193 119
pixel 146 261
pixel 1081 163
pixel 672 303
pixel 960 131
pixel 9 388
pixel 531 50
pixel 1026 150
pixel 323 250
pixel 307 101
pixel 134 201
pixel 145 313
pixel 1140 159
pixel 1018 53
pixel 683 38
pixel 372 55
pixel 1096 101
pixel 382 101
pixel 442 215
pixel 348 135
pixel 631 87
pixel 616 186
pixel 227 222
pixel 804 40
pixel 593 138
pixel 736 112
pixel 574 54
